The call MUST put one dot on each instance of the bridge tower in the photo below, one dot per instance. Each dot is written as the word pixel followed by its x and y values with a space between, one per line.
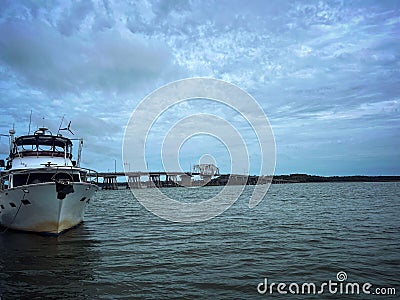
pixel 206 171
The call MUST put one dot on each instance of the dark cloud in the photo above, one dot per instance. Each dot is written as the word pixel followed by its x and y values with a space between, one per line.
pixel 46 59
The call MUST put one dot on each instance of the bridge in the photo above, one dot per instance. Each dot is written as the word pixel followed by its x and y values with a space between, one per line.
pixel 206 174
pixel 146 179
pixel 159 179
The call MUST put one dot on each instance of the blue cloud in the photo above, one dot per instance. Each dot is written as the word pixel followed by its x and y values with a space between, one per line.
pixel 326 73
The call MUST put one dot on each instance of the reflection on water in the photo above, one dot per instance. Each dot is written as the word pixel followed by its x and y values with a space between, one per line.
pixel 46 266
pixel 299 233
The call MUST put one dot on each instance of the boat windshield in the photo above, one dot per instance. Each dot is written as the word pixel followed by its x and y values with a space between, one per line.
pixel 35 178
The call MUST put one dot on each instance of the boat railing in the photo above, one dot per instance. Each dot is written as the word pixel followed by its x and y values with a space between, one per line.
pixel 38 153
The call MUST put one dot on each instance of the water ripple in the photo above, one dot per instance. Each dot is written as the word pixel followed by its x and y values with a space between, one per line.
pixel 299 233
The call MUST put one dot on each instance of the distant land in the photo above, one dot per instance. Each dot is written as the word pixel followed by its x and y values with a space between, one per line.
pixel 302 178
pixel 305 178
pixel 277 179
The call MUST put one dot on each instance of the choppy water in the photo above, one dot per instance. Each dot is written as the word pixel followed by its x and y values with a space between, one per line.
pixel 299 233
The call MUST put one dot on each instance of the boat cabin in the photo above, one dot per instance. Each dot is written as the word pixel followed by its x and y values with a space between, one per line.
pixel 41 158
pixel 42 144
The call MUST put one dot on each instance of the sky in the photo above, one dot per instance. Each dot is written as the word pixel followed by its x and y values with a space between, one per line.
pixel 325 73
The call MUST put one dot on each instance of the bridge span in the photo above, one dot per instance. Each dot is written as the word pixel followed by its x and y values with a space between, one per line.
pixel 146 179
pixel 175 179
pixel 141 179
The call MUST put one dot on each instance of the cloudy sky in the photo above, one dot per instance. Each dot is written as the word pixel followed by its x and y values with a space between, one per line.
pixel 326 74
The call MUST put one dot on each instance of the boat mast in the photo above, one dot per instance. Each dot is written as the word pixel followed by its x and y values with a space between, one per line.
pixel 30 121
pixel 12 138
pixel 78 163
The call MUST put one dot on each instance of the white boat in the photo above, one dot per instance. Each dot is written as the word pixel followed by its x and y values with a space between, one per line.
pixel 41 188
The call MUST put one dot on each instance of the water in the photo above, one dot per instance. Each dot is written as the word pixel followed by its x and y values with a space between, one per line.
pixel 299 233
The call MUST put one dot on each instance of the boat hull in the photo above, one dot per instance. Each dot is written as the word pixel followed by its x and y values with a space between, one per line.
pixel 38 207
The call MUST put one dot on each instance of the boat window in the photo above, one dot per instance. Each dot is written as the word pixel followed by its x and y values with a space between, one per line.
pixel 45 148
pixel 20 179
pixel 34 178
pixel 58 149
pixel 66 176
pixel 21 149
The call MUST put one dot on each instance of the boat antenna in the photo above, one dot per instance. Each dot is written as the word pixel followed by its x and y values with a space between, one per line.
pixel 67 128
pixel 43 122
pixel 30 121
pixel 59 127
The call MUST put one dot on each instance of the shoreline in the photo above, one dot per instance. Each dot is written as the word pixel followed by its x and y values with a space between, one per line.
pixel 253 180
pixel 303 178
